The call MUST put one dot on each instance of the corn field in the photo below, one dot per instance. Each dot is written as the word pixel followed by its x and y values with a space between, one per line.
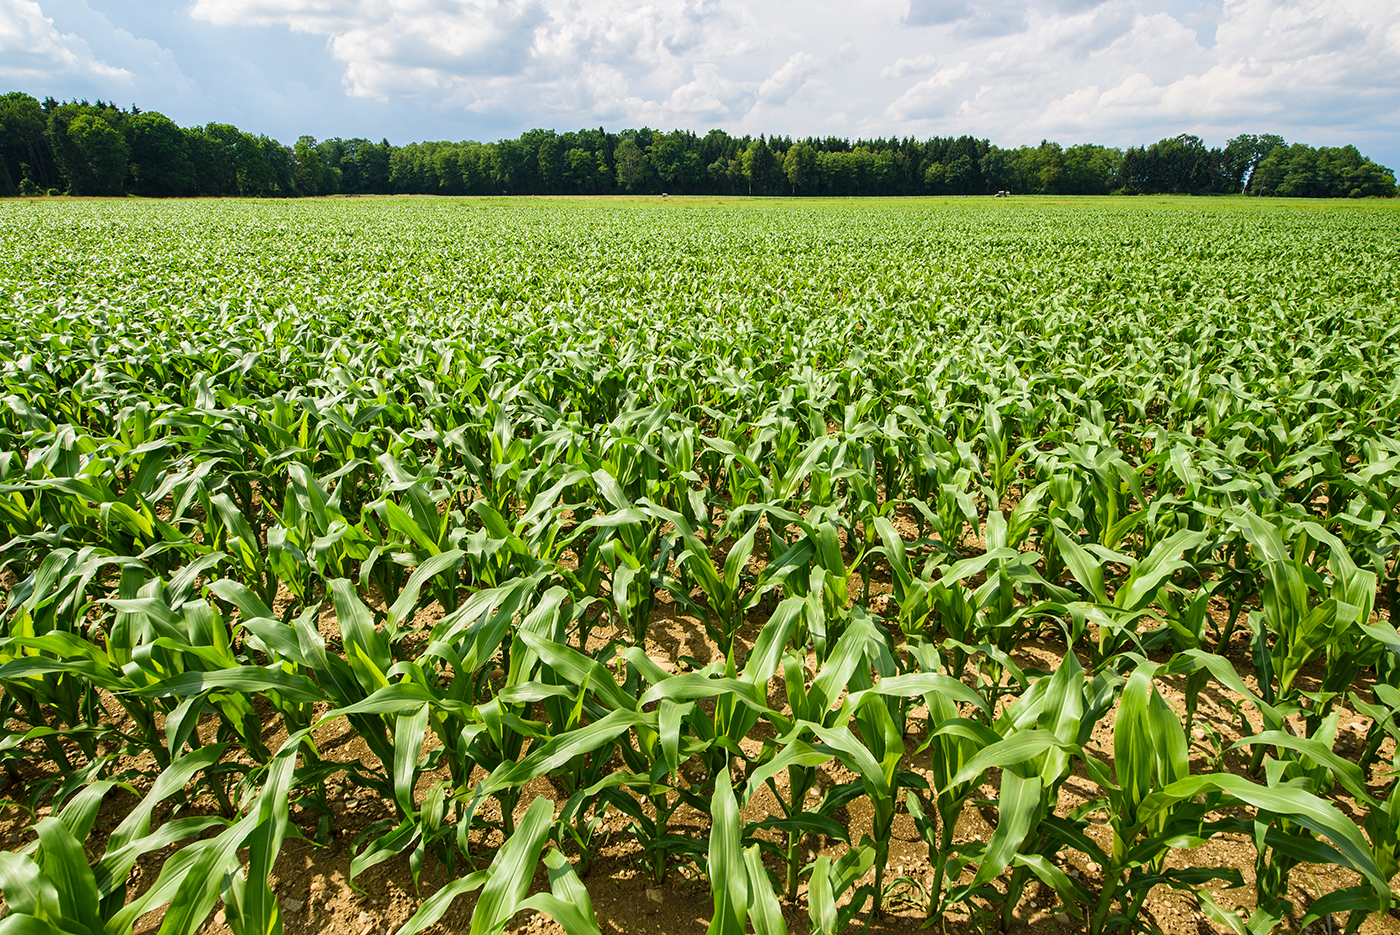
pixel 451 476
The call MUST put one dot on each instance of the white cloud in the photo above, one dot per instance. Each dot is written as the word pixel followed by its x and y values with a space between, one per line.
pixel 933 97
pixel 1122 72
pixel 591 58
pixel 904 67
pixel 787 80
pixel 1112 71
pixel 1319 64
pixel 403 47
pixel 31 49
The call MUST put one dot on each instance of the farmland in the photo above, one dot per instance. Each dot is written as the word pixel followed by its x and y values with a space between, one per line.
pixel 995 564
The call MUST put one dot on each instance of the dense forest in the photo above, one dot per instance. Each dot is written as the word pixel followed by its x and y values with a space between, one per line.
pixel 81 148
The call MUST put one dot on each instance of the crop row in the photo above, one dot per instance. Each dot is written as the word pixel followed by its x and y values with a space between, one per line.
pixel 459 529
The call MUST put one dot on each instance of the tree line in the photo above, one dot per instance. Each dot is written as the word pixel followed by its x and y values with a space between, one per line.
pixel 83 148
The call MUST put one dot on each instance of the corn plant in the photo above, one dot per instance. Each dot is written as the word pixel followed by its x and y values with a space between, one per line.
pixel 437 481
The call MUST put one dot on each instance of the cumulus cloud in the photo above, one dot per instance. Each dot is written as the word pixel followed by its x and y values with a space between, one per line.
pixel 1113 71
pixel 596 59
pixel 1122 72
pixel 787 80
pixel 975 18
pixel 904 67
pixel 32 49
pixel 933 97
pixel 401 47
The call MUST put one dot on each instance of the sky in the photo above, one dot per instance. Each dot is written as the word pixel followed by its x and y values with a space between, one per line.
pixel 1117 72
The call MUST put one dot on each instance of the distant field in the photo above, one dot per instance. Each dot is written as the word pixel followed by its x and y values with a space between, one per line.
pixel 699 564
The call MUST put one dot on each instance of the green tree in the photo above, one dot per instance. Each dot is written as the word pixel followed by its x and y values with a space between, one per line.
pixel 633 168
pixel 551 168
pixel 1367 178
pixel 373 162
pixel 800 165
pixel 1091 169
pixel 676 160
pixel 96 159
pixel 587 173
pixel 160 160
pixel 231 162
pixel 517 166
pixel 884 172
pixel 999 168
pixel 24 151
pixel 958 177
pixel 410 169
pixel 314 175
pixel 281 168
pixel 1241 157
pixel 217 158
pixel 1300 171
pixel 1049 168
pixel 7 181
pixel 759 166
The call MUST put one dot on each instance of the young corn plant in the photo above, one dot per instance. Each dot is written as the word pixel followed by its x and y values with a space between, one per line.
pixel 1033 743
pixel 739 883
pixel 505 883
pixel 53 888
pixel 953 741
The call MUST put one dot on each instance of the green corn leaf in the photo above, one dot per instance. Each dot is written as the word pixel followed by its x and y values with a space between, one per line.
pixel 508 877
pixel 25 887
pixel 829 882
pixel 244 679
pixel 363 642
pixel 1299 806
pixel 1082 565
pixel 197 889
pixel 765 914
pixel 111 871
pixel 408 743
pixel 1018 810
pixel 803 823
pixel 260 912
pixel 690 686
pixel 386 846
pixel 1071 892
pixel 80 811
pixel 920 683
pixel 422 575
pixel 560 750
pixel 793 752
pixel 437 904
pixel 579 669
pixel 402 522
pixel 728 877
pixel 248 603
pixel 1160 563
pixel 1346 772
pixel 821 898
pixel 137 824
pixel 764 658
pixel 17 923
pixel 669 717
pixel 1021 747
pixel 1352 899
pixel 565 884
